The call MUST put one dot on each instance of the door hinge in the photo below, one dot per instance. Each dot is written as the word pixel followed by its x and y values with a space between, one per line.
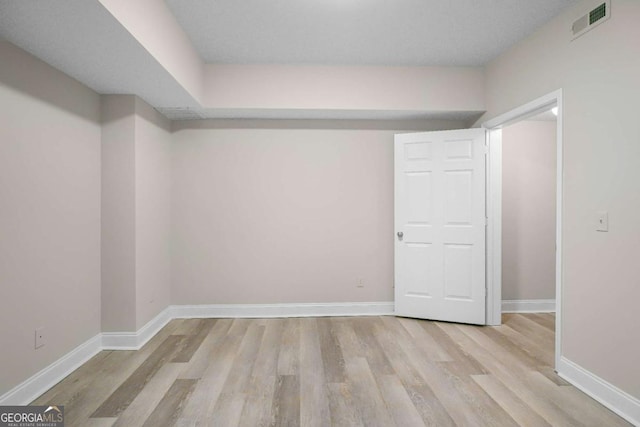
pixel 486 221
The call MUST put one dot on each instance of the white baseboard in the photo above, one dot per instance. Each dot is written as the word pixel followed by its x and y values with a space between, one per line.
pixel 620 402
pixel 32 388
pixel 529 306
pixel 38 384
pixel 135 340
pixel 35 386
pixel 283 310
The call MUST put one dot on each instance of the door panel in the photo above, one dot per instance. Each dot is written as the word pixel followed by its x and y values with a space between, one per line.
pixel 440 225
pixel 458 271
pixel 458 197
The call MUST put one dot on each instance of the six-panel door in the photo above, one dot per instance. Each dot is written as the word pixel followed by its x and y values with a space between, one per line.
pixel 440 224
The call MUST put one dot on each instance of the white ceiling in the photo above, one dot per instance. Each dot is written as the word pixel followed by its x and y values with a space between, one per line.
pixel 80 38
pixel 362 32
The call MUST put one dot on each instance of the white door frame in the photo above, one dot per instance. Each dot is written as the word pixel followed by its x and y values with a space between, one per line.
pixel 494 207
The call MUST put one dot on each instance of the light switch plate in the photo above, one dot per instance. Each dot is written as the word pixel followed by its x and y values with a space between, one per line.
pixel 602 221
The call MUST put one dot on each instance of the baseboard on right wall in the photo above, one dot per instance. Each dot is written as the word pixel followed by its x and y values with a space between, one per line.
pixel 529 306
pixel 623 404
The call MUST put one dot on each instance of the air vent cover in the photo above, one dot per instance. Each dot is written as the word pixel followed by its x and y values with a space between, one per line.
pixel 598 13
pixel 590 20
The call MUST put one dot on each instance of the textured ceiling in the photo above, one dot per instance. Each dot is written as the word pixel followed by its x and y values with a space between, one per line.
pixel 363 32
pixel 80 38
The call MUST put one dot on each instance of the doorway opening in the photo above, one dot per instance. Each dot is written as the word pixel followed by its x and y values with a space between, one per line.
pixel 528 215
pixel 495 204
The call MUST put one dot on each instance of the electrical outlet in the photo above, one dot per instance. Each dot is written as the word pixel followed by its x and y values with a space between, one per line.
pixel 602 221
pixel 360 283
pixel 40 337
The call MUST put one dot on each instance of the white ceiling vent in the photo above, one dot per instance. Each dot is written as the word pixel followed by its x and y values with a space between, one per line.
pixel 593 18
pixel 180 113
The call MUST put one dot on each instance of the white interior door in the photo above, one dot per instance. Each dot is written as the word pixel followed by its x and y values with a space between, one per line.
pixel 440 225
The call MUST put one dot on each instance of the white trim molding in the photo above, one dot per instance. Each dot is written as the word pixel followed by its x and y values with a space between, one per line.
pixel 494 228
pixel 618 401
pixel 529 306
pixel 494 206
pixel 32 388
pixel 525 111
pixel 283 310
pixel 135 340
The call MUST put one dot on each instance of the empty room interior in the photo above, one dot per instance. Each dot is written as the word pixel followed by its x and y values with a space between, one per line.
pixel 321 212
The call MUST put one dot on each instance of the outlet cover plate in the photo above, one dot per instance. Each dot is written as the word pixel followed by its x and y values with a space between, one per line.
pixel 602 221
pixel 39 338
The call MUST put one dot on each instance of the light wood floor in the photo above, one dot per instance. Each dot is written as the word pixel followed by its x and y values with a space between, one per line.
pixel 366 371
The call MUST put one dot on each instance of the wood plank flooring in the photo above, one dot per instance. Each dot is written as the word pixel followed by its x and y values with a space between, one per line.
pixel 339 371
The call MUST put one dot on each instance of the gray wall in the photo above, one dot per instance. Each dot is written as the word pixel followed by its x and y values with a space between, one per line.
pixel 281 214
pixel 49 214
pixel 136 211
pixel 153 213
pixel 598 74
pixel 529 210
pixel 118 213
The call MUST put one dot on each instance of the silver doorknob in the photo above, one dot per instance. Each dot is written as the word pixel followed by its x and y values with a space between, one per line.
pixel 400 235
